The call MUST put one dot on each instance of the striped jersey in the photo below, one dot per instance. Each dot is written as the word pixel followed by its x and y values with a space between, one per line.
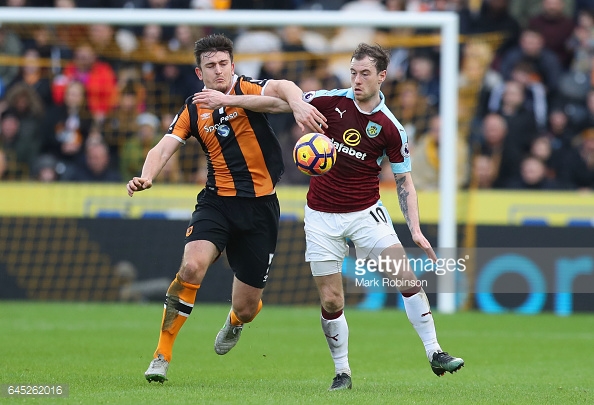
pixel 243 155
pixel 362 141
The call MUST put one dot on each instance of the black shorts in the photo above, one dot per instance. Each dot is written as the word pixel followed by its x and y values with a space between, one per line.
pixel 247 227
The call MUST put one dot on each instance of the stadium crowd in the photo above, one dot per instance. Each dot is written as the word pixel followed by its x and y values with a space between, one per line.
pixel 86 102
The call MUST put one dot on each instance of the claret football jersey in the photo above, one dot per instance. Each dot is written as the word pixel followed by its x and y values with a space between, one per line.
pixel 362 141
pixel 243 155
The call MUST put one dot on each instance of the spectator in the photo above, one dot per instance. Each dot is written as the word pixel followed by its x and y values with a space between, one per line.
pixel 45 169
pixel 583 116
pixel 151 47
pixel 494 17
pixel 69 35
pixel 411 108
pixel 254 42
pixel 545 62
pixel 173 82
pixel 96 165
pixel 49 47
pixel 102 38
pixel 483 172
pixel 426 163
pixel 532 176
pixel 556 28
pixel 26 104
pixel 19 151
pixel 182 42
pixel 534 91
pixel 579 6
pixel 67 126
pixel 32 74
pixel 3 165
pixel 134 149
pixel 98 78
pixel 320 66
pixel 524 10
pixel 10 45
pixel 296 56
pixel 118 127
pixel 559 132
pixel 578 167
pixel 581 43
pixel 542 148
pixel 422 71
pixel 504 157
pixel 273 66
pixel 520 120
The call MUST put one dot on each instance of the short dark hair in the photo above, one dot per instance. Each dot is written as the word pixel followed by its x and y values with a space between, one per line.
pixel 376 53
pixel 213 43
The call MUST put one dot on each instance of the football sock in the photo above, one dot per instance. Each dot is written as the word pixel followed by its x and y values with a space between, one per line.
pixel 235 321
pixel 336 330
pixel 178 306
pixel 419 314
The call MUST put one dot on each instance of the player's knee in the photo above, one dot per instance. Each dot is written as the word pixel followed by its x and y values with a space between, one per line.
pixel 332 301
pixel 192 271
pixel 247 313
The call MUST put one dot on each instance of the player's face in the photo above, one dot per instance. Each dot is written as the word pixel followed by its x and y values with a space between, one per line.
pixel 366 80
pixel 216 71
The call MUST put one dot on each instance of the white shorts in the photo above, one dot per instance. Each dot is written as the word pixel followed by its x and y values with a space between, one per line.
pixel 326 234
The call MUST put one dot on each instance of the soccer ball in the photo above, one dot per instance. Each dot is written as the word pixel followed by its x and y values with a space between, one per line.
pixel 314 154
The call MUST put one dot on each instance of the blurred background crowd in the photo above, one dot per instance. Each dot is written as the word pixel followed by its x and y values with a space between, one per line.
pixel 86 102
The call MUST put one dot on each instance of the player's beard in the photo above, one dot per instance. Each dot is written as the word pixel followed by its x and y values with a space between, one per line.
pixel 223 87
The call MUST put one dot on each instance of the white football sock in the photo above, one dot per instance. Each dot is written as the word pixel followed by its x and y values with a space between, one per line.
pixel 337 336
pixel 419 314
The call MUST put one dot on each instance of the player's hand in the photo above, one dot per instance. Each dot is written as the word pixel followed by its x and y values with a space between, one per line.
pixel 138 184
pixel 424 244
pixel 208 98
pixel 308 118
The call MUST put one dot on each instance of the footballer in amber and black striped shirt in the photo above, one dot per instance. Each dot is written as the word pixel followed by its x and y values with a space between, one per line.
pixel 238 210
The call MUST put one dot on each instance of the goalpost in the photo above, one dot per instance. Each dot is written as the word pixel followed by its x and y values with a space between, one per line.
pixel 447 22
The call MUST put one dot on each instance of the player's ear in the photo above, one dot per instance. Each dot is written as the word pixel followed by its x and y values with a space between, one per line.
pixel 382 76
pixel 198 72
pixel 232 68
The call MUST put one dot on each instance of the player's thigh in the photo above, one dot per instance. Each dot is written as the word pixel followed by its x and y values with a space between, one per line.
pixel 324 240
pixel 209 222
pixel 372 231
pixel 245 298
pixel 251 249
pixel 206 237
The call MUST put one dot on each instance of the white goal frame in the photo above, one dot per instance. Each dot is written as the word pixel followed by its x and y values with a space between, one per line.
pixel 447 22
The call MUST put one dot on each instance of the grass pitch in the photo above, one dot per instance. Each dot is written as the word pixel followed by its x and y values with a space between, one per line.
pixel 102 350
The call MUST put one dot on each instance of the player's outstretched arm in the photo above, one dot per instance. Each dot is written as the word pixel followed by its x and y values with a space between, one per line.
pixel 213 99
pixel 407 198
pixel 155 160
pixel 308 117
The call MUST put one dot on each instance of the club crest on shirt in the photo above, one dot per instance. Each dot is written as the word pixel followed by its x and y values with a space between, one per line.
pixel 373 129
pixel 223 130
